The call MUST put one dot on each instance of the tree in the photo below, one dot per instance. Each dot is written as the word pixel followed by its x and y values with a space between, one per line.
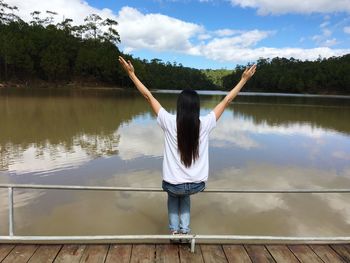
pixel 92 26
pixel 112 34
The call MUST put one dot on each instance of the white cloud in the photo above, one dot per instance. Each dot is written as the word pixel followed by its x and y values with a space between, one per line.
pixel 247 39
pixel 330 42
pixel 235 54
pixel 227 32
pixel 74 9
pixel 347 29
pixel 157 32
pixel 265 7
pixel 161 33
pixel 204 36
pixel 324 39
pixel 324 24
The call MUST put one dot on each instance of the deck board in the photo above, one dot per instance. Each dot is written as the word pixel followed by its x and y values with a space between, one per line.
pixel 259 254
pixel 187 256
pixel 5 249
pixel 236 253
pixel 213 253
pixel 20 253
pixel 142 253
pixel 70 253
pixel 45 253
pixel 167 253
pixel 174 253
pixel 95 254
pixel 305 254
pixel 327 254
pixel 343 251
pixel 119 253
pixel 281 253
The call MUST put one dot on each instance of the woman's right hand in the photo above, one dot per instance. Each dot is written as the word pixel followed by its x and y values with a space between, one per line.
pixel 249 72
pixel 128 67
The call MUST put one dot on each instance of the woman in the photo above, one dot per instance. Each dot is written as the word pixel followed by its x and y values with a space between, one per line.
pixel 185 163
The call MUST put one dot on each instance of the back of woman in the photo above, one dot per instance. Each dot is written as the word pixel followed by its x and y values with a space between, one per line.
pixel 186 162
pixel 174 169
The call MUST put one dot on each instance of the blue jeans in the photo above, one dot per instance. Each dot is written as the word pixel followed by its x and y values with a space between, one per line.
pixel 179 204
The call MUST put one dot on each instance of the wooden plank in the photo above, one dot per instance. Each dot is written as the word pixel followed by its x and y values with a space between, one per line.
pixel 259 253
pixel 119 253
pixel 213 253
pixel 187 256
pixel 343 251
pixel 94 253
pixel 327 254
pixel 70 253
pixel 167 253
pixel 45 253
pixel 281 253
pixel 5 249
pixel 20 253
pixel 304 253
pixel 236 253
pixel 142 253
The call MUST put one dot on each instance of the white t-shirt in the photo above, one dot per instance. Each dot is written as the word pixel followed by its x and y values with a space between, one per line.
pixel 174 171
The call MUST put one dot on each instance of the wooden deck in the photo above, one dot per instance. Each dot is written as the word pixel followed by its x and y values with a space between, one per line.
pixel 12 253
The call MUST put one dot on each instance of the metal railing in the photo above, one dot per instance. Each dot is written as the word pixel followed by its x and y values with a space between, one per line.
pixel 191 237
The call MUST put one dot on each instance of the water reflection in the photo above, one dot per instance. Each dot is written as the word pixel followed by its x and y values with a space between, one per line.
pixel 111 138
pixel 51 129
pixel 140 138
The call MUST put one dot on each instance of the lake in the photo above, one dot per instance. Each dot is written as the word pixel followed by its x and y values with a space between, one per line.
pixel 111 138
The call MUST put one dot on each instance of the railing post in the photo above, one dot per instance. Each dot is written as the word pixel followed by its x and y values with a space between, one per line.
pixel 193 243
pixel 10 205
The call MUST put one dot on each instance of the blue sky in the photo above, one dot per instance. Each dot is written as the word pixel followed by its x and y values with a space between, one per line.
pixel 218 33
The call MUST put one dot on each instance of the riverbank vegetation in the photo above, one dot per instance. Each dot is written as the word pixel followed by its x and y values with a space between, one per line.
pixel 49 53
pixel 42 51
pixel 323 76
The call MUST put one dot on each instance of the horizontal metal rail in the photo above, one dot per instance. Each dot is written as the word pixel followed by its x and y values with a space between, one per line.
pixel 191 238
pixel 167 237
pixel 158 189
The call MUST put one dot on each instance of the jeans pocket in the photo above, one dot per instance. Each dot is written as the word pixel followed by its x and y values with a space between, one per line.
pixel 173 189
pixel 197 187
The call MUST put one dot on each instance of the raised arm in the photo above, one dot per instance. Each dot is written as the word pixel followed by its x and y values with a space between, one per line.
pixel 247 74
pixel 129 69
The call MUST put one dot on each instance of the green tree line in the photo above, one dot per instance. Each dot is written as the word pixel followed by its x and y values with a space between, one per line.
pixel 67 53
pixel 63 52
pixel 323 76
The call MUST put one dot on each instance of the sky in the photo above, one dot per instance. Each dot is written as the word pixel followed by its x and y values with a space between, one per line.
pixel 215 33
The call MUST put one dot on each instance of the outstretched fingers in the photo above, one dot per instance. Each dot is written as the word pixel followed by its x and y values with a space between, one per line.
pixel 122 61
pixel 128 67
pixel 252 69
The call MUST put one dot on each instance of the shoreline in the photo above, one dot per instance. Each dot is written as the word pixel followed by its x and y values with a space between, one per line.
pixel 51 85
pixel 104 86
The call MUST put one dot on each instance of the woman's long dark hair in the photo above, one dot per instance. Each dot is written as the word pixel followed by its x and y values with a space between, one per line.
pixel 188 123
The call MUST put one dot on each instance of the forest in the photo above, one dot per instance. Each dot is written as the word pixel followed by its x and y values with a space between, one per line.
pixel 56 54
pixel 41 51
pixel 281 75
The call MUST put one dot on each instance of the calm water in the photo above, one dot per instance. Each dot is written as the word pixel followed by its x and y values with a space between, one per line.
pixel 111 138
